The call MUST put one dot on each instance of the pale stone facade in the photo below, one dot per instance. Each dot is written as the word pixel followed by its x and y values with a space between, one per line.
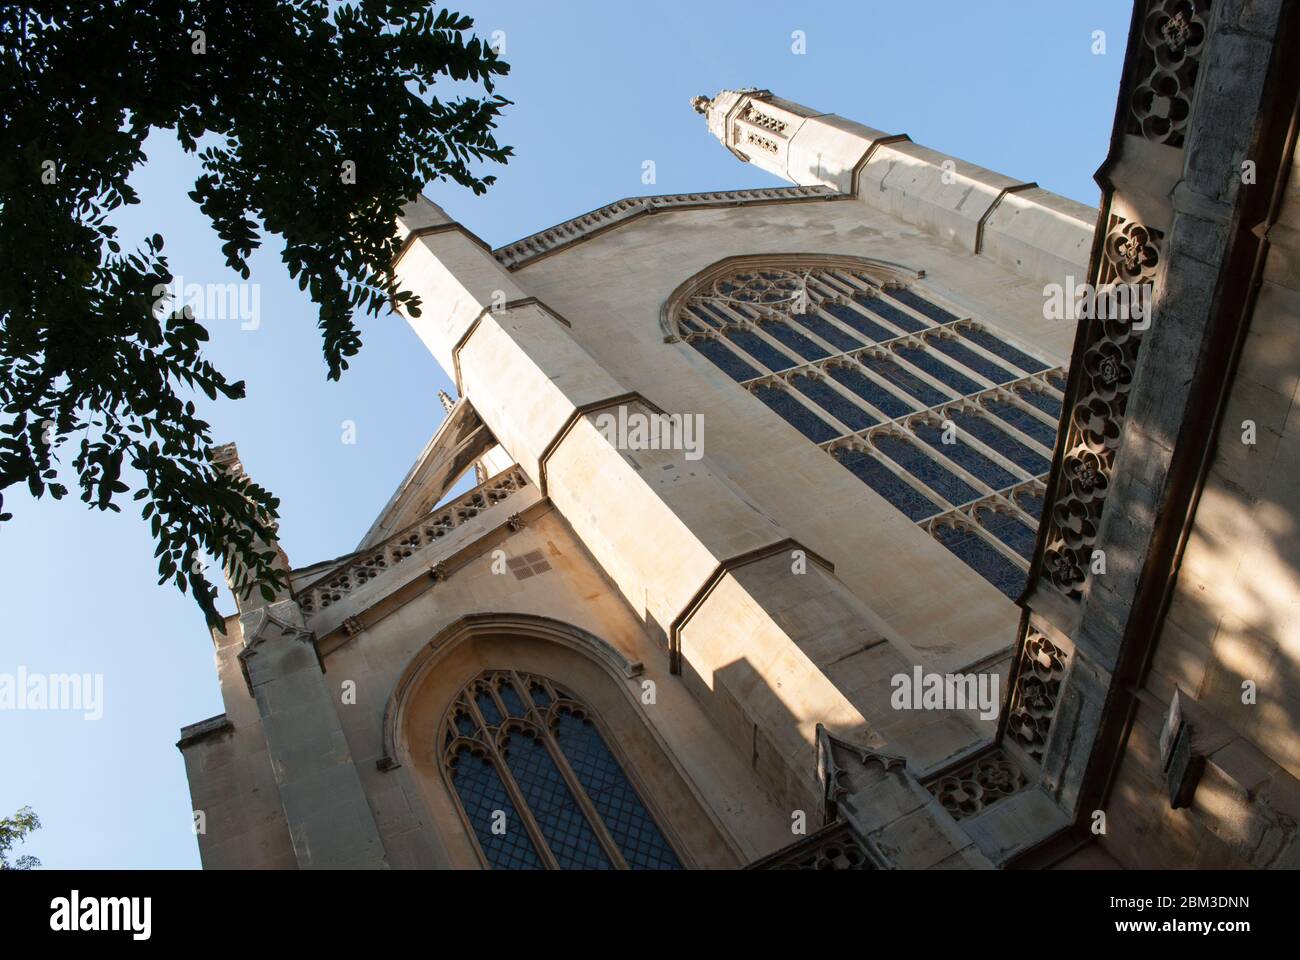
pixel 620 653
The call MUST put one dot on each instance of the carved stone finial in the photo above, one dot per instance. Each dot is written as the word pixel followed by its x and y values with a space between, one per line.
pixel 701 104
pixel 225 456
pixel 515 522
pixel 447 401
pixel 832 752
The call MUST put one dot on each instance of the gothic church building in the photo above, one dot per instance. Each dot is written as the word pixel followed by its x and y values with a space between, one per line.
pixel 821 452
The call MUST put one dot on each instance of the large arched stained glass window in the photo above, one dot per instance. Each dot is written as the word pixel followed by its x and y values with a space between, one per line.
pixel 943 417
pixel 539 785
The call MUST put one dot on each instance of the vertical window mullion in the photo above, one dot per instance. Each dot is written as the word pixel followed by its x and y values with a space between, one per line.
pixel 562 764
pixel 1007 426
pixel 753 326
pixel 971 514
pixel 1009 499
pixel 883 382
pixel 900 471
pixel 982 448
pixel 980 486
pixel 819 371
pixel 960 366
pixel 813 407
pixel 512 788
pixel 925 377
pixel 960 520
pixel 580 795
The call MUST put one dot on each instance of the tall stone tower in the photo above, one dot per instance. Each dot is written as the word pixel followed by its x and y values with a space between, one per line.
pixel 786 547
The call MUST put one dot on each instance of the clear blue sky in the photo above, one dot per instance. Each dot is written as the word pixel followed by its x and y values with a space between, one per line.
pixel 598 87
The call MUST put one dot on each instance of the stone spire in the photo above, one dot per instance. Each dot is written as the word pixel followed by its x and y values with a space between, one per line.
pixel 755 125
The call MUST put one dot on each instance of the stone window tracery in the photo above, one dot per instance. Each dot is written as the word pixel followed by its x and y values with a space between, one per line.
pixel 1099 408
pixel 538 784
pixel 946 419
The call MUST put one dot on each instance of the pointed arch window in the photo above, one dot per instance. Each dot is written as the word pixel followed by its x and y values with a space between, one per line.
pixel 945 418
pixel 539 785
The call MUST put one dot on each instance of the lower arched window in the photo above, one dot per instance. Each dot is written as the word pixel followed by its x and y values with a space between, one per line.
pixel 539 785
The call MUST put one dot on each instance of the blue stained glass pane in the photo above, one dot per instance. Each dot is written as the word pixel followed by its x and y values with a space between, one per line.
pixel 487 707
pixel 918 464
pixel 800 417
pixel 760 350
pixel 725 359
pixel 634 831
pixel 828 331
pixel 1029 502
pixel 883 308
pixel 706 317
pixel 965 355
pixel 465 725
pixel 512 700
pixel 864 325
pixel 873 393
pixel 1000 348
pixel 1009 530
pixel 987 431
pixel 826 397
pixel 1041 399
pixel 710 310
pixel 795 340
pixel 965 456
pixel 1023 420
pixel 567 832
pixel 981 557
pixel 896 375
pixel 880 478
pixel 921 305
pixel 925 360
pixel 540 696
pixel 482 794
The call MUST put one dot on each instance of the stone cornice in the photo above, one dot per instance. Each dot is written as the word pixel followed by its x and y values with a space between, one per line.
pixel 205 729
pixel 544 242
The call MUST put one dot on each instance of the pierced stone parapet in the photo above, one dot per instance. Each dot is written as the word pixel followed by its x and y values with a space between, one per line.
pixel 977 785
pixel 1037 694
pixel 361 568
pixel 1173 39
pixel 521 251
pixel 1132 254
pixel 836 847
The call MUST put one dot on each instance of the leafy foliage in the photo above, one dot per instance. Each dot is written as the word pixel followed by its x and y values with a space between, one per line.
pixel 277 98
pixel 13 830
